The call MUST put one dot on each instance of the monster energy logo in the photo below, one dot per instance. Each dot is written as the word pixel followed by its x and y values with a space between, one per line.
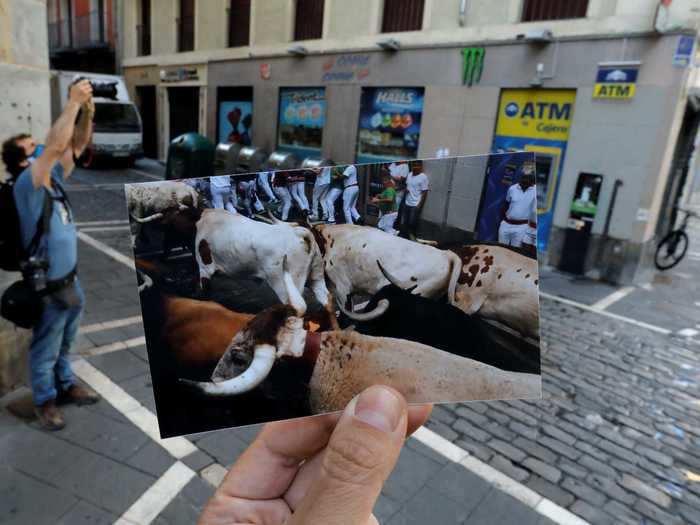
pixel 473 64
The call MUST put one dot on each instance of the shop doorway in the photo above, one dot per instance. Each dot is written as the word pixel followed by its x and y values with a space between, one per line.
pixel 146 101
pixel 184 110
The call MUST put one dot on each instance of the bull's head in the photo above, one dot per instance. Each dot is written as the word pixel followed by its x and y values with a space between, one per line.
pixel 275 332
pixel 396 287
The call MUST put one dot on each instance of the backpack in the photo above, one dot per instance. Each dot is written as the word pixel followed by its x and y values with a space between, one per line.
pixel 12 253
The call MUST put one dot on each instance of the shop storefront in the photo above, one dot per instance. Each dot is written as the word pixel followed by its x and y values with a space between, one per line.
pixel 234 115
pixel 302 116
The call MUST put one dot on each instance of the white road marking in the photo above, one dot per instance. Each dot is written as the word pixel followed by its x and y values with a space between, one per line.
pixel 99 223
pixel 607 301
pixel 158 496
pixel 688 332
pixel 113 347
pixel 588 308
pixel 105 228
pixel 107 250
pixel 139 415
pixel 214 474
pixel 108 325
pixel 508 485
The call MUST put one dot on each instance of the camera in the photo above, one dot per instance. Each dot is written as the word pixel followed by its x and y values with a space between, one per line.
pixel 101 89
pixel 34 271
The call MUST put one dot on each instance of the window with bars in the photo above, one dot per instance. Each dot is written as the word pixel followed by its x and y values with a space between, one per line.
pixel 239 23
pixel 534 10
pixel 308 21
pixel 185 26
pixel 144 29
pixel 402 15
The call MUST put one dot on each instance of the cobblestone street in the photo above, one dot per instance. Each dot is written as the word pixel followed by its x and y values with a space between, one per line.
pixel 614 440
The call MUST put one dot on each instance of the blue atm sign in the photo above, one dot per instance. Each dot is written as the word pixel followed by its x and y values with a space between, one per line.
pixel 616 82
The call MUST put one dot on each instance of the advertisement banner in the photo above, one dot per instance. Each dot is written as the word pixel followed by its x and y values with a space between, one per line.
pixel 235 122
pixel 536 120
pixel 302 115
pixel 389 126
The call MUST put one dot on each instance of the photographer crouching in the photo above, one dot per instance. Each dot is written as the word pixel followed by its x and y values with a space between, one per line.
pixel 49 241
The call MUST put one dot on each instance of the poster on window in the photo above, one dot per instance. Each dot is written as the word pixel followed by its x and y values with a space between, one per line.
pixel 389 126
pixel 236 121
pixel 302 116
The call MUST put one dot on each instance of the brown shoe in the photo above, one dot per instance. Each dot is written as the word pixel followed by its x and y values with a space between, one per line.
pixel 49 416
pixel 80 395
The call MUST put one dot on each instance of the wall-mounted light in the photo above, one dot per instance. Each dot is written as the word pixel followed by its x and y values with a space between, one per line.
pixel 390 44
pixel 298 51
pixel 537 36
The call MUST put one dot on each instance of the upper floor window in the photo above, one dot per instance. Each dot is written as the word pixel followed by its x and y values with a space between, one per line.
pixel 239 23
pixel 402 15
pixel 534 10
pixel 185 26
pixel 143 30
pixel 308 21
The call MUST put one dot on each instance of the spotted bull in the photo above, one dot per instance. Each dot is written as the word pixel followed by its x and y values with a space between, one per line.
pixel 236 245
pixel 500 284
pixel 343 363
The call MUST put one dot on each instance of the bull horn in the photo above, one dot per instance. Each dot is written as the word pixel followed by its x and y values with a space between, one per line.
pixel 274 219
pixel 380 309
pixel 150 218
pixel 256 373
pixel 393 280
pixel 293 295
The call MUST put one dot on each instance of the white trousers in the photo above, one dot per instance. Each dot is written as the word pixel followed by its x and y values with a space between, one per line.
pixel 386 222
pixel 224 197
pixel 530 236
pixel 297 189
pixel 283 194
pixel 264 183
pixel 512 234
pixel 350 195
pixel 331 197
pixel 319 197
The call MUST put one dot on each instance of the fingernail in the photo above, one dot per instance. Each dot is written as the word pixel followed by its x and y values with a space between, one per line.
pixel 379 407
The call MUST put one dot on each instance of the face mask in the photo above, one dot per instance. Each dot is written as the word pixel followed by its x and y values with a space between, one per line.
pixel 37 151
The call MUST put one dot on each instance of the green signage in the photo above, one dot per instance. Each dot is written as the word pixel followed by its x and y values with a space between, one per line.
pixel 472 64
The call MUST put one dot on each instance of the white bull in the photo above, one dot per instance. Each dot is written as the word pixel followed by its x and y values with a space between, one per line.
pixel 350 255
pixel 150 201
pixel 236 245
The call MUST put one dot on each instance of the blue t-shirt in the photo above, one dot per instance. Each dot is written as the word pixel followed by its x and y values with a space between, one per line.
pixel 61 244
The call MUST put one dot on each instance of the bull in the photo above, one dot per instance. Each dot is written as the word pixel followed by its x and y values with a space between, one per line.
pixel 236 245
pixel 396 311
pixel 343 363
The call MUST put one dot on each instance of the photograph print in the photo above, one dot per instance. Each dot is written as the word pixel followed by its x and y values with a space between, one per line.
pixel 284 294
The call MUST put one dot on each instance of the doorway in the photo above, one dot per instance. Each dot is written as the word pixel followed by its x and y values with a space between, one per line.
pixel 146 101
pixel 184 110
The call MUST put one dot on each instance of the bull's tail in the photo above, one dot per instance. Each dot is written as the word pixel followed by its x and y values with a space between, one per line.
pixel 455 270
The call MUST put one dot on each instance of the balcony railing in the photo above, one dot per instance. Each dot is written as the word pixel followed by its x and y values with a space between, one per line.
pixel 185 33
pixel 77 33
pixel 534 10
pixel 59 35
pixel 143 42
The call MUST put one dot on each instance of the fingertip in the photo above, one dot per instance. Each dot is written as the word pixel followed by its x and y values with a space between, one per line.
pixel 417 416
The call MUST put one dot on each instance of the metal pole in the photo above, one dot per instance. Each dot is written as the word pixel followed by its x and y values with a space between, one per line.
pixel 606 229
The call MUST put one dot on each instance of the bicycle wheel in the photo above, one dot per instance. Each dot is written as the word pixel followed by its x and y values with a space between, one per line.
pixel 671 250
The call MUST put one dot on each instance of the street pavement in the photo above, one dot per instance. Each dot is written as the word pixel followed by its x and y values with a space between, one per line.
pixel 616 438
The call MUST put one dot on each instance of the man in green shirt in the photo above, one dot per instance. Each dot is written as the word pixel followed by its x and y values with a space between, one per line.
pixel 386 202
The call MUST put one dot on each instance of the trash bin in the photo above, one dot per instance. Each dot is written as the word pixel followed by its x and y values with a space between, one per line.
pixel 190 155
pixel 279 160
pixel 226 158
pixel 250 160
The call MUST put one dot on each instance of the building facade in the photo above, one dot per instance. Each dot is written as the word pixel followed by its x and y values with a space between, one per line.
pixel 599 89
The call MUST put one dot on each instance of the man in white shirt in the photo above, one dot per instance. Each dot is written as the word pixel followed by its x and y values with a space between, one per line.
pixel 417 186
pixel 264 184
pixel 520 200
pixel 221 194
pixel 530 237
pixel 351 191
pixel 321 186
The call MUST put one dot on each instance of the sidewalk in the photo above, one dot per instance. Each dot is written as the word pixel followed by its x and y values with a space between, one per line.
pixel 107 464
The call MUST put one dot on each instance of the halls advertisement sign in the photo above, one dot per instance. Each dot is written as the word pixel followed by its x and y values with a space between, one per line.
pixel 542 114
pixel 616 81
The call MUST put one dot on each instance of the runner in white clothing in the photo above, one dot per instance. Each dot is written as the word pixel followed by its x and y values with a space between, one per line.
pixel 221 194
pixel 351 191
pixel 334 191
pixel 264 184
pixel 417 186
pixel 321 186
pixel 520 200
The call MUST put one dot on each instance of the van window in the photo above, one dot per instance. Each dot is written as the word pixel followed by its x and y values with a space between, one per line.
pixel 111 118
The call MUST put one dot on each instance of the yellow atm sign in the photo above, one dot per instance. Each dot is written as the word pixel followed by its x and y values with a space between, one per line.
pixel 616 82
pixel 536 113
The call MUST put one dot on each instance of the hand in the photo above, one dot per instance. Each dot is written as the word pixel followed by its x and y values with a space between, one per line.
pixel 325 469
pixel 90 108
pixel 80 92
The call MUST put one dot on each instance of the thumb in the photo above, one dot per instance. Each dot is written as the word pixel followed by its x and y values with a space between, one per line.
pixel 360 455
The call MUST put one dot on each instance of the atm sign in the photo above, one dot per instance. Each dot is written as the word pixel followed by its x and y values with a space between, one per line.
pixel 615 82
pixel 536 113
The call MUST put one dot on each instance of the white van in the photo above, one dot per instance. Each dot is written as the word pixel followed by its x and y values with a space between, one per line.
pixel 117 132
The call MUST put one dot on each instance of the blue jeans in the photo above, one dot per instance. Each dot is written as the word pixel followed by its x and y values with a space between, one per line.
pixel 52 338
